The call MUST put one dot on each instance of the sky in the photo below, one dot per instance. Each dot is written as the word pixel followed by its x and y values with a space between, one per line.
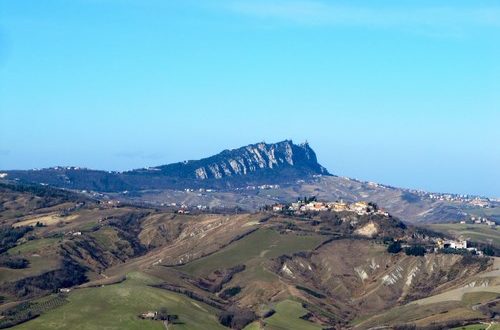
pixel 405 93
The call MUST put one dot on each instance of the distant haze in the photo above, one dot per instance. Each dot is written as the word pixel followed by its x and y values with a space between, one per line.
pixel 405 94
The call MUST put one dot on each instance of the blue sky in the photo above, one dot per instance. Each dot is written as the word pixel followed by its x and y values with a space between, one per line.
pixel 400 92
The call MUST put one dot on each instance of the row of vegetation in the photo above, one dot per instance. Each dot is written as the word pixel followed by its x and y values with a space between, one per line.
pixel 414 250
pixel 68 275
pixel 9 236
pixel 29 310
pixel 13 262
pixel 419 250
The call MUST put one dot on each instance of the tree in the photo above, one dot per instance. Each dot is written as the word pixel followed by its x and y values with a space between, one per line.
pixel 416 250
pixel 488 251
pixel 162 314
pixel 394 247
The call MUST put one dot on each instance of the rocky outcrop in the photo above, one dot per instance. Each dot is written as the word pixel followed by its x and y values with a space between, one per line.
pixel 247 160
pixel 256 164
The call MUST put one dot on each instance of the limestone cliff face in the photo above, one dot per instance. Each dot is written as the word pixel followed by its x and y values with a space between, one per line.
pixel 255 158
pixel 261 163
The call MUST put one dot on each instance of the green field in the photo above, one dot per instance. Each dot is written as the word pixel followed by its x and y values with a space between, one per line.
pixel 260 245
pixel 287 317
pixel 413 312
pixel 38 265
pixel 253 326
pixel 479 327
pixel 477 233
pixel 34 246
pixel 493 212
pixel 117 306
pixel 473 298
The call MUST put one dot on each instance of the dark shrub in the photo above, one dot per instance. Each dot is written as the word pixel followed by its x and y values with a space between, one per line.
pixel 15 263
pixel 394 247
pixel 236 318
pixel 230 292
pixel 416 250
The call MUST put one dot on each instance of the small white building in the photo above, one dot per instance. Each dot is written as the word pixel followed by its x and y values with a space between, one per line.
pixel 278 207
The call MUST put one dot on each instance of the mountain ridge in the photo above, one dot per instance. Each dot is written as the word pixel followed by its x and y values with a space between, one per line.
pixel 242 178
pixel 258 163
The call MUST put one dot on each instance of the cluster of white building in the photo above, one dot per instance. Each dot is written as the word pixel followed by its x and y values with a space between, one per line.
pixel 479 221
pixel 472 200
pixel 261 187
pixel 457 245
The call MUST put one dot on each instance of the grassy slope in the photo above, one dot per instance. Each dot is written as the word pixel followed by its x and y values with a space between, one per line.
pixel 38 265
pixel 412 313
pixel 439 311
pixel 482 326
pixel 287 317
pixel 34 246
pixel 262 244
pixel 117 306
pixel 480 233
pixel 493 212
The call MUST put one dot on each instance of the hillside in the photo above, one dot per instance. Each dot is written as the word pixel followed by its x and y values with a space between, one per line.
pixel 261 270
pixel 409 205
pixel 251 177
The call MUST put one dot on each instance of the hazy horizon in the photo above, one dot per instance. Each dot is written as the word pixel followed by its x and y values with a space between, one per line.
pixel 400 94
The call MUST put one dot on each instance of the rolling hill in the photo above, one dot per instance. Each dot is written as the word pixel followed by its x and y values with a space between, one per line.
pixel 251 177
pixel 102 264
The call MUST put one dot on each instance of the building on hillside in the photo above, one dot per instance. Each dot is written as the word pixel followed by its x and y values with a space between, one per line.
pixel 149 315
pixel 359 207
pixel 338 206
pixel 278 207
pixel 316 206
pixel 452 244
pixel 475 251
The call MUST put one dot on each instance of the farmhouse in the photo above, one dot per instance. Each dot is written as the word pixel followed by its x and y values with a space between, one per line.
pixel 149 315
pixel 278 207
pixel 451 244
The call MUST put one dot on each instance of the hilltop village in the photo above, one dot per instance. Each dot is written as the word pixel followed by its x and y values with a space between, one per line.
pixel 311 205
pixel 425 243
